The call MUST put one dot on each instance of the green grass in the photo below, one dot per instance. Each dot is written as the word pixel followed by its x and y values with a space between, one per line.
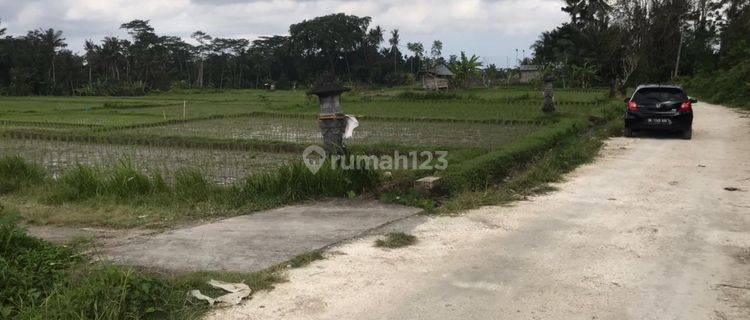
pixel 534 176
pixel 189 197
pixel 47 281
pixel 396 240
pixel 112 111
pixel 237 151
pixel 16 173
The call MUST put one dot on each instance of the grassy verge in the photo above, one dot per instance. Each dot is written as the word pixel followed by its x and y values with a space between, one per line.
pixel 511 173
pixel 46 281
pixel 533 176
pixel 123 196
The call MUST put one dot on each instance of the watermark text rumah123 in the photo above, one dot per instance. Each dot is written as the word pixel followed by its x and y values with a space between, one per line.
pixel 315 158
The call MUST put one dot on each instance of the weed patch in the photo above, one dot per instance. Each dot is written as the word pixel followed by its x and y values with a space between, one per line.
pixel 15 173
pixel 396 240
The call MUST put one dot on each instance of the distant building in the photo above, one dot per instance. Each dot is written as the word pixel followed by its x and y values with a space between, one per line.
pixel 528 73
pixel 437 78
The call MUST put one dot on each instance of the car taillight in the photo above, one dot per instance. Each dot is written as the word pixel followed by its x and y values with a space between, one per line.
pixel 686 106
pixel 632 106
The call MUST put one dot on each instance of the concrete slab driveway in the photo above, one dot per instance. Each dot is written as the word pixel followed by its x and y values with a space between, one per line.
pixel 259 240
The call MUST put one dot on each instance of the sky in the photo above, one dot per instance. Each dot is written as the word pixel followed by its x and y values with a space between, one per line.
pixel 491 29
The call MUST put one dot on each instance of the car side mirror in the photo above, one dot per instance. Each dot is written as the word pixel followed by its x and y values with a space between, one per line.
pixel 693 100
pixel 627 100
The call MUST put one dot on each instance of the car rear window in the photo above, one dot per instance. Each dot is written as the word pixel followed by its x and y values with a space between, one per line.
pixel 655 95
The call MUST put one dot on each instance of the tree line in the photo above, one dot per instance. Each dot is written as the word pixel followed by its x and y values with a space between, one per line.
pixel 621 43
pixel 39 62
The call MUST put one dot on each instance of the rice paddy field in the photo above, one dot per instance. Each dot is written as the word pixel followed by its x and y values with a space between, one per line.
pixel 40 128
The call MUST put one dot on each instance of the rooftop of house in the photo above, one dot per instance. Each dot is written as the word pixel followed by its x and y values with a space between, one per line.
pixel 528 67
pixel 440 70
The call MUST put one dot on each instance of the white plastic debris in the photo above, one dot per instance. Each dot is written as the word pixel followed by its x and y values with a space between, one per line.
pixel 237 292
pixel 198 295
pixel 351 124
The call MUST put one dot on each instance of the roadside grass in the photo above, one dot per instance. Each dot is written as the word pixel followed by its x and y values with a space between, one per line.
pixel 395 240
pixel 16 173
pixel 47 281
pixel 123 196
pixel 535 175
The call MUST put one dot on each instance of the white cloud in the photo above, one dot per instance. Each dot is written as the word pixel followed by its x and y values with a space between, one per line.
pixel 490 28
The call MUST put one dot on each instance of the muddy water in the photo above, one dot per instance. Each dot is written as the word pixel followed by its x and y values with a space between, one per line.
pixel 410 133
pixel 222 166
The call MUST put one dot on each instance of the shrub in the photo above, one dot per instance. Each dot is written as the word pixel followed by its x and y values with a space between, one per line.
pixel 15 172
pixel 730 87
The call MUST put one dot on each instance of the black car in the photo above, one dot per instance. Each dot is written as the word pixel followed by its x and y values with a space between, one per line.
pixel 660 107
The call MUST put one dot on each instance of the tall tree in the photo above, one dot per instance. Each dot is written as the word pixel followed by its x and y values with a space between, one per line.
pixel 394 42
pixel 436 52
pixel 417 49
pixel 201 50
pixel 51 40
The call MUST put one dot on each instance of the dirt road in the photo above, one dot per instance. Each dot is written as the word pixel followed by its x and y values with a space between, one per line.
pixel 646 232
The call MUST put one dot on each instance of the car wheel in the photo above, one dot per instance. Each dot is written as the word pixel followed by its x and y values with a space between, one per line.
pixel 687 134
pixel 628 132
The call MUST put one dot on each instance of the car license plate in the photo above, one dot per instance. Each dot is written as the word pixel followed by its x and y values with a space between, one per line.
pixel 659 121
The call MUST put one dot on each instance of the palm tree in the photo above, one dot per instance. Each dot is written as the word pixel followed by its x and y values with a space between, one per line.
pixel 466 67
pixel 394 41
pixel 418 50
pixel 373 39
pixel 437 51
pixel 51 40
pixel 585 74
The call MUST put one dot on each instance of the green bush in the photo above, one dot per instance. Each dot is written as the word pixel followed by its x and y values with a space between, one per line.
pixel 15 172
pixel 731 87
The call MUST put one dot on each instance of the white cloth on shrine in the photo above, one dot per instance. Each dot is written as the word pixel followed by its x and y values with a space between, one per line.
pixel 351 124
